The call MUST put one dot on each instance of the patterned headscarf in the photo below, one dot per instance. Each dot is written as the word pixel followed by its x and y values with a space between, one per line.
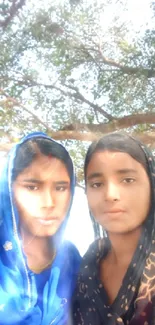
pixel 18 291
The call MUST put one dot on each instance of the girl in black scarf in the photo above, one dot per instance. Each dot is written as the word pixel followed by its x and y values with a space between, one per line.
pixel 116 283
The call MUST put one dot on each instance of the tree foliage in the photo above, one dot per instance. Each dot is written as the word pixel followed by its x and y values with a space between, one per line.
pixel 75 70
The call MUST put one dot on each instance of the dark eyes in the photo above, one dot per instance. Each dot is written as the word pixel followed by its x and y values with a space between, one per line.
pixel 127 180
pixel 59 188
pixel 96 185
pixel 32 187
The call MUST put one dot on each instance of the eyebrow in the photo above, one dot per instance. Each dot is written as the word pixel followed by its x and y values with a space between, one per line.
pixel 62 182
pixel 119 171
pixel 37 181
pixel 94 175
pixel 126 171
pixel 32 180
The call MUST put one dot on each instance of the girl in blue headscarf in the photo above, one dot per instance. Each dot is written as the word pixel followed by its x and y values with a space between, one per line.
pixel 38 268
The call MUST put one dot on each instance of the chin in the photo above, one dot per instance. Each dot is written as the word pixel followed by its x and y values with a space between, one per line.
pixel 123 231
pixel 44 232
pixel 48 233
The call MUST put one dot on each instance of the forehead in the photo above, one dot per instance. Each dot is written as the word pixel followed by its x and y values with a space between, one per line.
pixel 45 167
pixel 112 161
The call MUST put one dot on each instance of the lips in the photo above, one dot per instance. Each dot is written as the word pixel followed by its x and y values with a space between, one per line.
pixel 47 221
pixel 114 211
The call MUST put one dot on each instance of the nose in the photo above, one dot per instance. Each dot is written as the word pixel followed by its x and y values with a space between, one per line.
pixel 48 200
pixel 112 192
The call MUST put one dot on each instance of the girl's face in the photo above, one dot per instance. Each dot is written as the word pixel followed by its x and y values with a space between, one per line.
pixel 118 191
pixel 42 195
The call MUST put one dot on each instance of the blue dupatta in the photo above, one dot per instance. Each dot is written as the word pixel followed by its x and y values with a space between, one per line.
pixel 18 289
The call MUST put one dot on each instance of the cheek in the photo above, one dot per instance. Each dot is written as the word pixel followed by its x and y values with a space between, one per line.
pixel 26 210
pixel 66 202
pixel 23 197
pixel 94 201
pixel 139 204
pixel 27 204
pixel 144 201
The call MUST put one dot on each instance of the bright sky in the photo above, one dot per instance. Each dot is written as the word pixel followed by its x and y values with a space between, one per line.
pixel 139 12
pixel 79 229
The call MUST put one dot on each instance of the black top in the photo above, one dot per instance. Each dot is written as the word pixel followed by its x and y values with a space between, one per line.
pixel 90 301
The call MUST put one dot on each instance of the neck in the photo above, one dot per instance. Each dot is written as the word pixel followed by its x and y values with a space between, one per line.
pixel 39 247
pixel 123 246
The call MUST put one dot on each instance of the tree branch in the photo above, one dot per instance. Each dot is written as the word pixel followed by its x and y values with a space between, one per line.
pixel 118 124
pixel 114 125
pixel 11 12
pixel 76 95
pixel 17 103
pixel 79 96
pixel 150 73
pixel 147 138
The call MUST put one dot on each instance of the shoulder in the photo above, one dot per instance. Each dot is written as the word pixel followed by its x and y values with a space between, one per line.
pixel 72 252
pixel 94 251
pixel 71 248
pixel 83 311
pixel 70 261
pixel 90 261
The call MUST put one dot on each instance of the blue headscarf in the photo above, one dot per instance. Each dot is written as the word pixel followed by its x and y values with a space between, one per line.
pixel 19 300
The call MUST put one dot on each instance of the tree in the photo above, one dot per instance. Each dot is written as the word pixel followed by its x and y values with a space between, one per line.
pixel 8 10
pixel 66 72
